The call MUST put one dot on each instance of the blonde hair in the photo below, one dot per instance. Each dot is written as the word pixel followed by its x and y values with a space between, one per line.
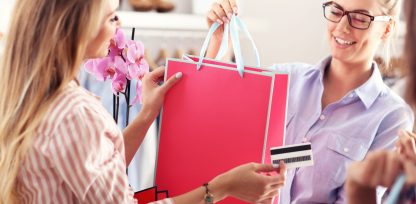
pixel 390 8
pixel 45 47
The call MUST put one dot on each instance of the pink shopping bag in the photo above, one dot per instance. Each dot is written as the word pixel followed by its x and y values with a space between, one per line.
pixel 215 119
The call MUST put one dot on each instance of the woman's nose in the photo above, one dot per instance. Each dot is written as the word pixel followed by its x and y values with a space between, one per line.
pixel 344 24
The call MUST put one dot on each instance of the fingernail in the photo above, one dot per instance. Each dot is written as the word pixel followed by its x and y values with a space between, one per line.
pixel 224 19
pixel 219 21
pixel 178 75
pixel 229 15
pixel 235 10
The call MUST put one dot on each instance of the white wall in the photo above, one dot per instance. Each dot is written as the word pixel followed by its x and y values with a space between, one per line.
pixel 296 30
pixel 6 7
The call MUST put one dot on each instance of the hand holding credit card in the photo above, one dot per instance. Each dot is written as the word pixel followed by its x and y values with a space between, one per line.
pixel 294 156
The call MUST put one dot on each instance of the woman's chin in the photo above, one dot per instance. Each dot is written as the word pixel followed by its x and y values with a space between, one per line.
pixel 101 54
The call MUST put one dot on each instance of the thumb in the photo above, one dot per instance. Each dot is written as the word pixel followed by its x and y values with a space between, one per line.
pixel 171 82
pixel 282 167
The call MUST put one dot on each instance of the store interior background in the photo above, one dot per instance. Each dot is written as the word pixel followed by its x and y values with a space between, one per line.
pixel 284 31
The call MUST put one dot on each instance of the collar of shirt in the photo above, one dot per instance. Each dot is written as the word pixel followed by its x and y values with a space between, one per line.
pixel 367 92
pixel 75 84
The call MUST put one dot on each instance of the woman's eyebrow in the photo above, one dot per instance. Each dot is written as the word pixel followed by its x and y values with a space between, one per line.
pixel 358 10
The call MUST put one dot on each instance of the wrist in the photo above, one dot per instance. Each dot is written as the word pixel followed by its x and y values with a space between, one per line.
pixel 148 113
pixel 219 188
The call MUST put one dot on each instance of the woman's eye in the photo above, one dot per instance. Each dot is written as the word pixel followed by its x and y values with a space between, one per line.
pixel 114 19
pixel 336 13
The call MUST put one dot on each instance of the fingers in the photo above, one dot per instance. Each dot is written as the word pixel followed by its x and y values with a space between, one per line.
pixel 212 16
pixel 219 11
pixel 222 12
pixel 171 82
pixel 227 9
pixel 282 167
pixel 366 172
pixel 234 6
pixel 157 73
pixel 407 144
pixel 392 167
pixel 410 169
pixel 263 167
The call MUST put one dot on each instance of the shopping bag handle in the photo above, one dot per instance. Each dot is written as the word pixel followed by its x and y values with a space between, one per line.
pixel 396 189
pixel 231 28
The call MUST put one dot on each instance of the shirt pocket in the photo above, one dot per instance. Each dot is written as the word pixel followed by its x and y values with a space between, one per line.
pixel 344 150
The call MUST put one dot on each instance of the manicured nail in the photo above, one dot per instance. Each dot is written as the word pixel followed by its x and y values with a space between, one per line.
pixel 229 15
pixel 219 21
pixel 178 75
pixel 224 19
pixel 235 10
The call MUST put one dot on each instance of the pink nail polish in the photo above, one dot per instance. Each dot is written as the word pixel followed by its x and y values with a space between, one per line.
pixel 235 10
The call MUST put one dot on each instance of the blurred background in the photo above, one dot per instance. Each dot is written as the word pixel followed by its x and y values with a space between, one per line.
pixel 283 30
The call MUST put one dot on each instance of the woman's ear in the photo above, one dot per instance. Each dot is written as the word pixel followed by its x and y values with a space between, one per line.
pixel 389 30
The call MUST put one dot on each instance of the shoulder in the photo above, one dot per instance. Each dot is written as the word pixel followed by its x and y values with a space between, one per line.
pixel 395 108
pixel 77 121
pixel 73 106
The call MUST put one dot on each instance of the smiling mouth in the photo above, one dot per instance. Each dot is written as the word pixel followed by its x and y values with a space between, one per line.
pixel 344 42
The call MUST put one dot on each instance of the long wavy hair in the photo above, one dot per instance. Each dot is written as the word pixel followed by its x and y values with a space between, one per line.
pixel 45 47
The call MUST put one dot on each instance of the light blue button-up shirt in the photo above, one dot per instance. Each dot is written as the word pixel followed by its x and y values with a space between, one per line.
pixel 366 119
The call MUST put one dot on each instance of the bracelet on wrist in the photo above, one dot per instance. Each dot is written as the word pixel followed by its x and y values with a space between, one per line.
pixel 208 197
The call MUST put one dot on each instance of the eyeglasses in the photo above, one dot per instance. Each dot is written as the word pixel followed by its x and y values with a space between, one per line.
pixel 356 19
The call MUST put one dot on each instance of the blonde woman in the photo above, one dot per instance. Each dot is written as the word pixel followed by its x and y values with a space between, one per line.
pixel 57 142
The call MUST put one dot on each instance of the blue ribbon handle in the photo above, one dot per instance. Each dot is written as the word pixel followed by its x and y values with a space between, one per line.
pixel 396 189
pixel 204 48
pixel 232 28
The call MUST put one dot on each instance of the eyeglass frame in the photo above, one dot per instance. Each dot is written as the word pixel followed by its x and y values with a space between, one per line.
pixel 383 18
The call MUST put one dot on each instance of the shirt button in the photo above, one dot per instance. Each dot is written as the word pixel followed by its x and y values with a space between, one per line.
pixel 322 117
pixel 304 139
pixel 351 95
pixel 346 149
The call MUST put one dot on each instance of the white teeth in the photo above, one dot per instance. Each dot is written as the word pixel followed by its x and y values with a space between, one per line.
pixel 343 42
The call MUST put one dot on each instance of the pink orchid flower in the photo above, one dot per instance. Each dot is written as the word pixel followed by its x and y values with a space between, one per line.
pixel 138 97
pixel 125 60
pixel 118 43
pixel 118 83
pixel 100 68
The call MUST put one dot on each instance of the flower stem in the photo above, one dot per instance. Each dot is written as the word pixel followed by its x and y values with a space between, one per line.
pixel 128 87
pixel 128 102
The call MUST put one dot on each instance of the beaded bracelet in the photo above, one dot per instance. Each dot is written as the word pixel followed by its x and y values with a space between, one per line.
pixel 208 198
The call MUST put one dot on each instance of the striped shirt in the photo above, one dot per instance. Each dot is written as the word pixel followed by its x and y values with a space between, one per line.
pixel 77 155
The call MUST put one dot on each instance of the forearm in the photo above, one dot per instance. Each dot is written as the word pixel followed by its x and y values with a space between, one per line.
pixel 217 188
pixel 357 194
pixel 213 47
pixel 136 131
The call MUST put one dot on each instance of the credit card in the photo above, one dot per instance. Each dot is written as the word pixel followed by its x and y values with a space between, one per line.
pixel 294 156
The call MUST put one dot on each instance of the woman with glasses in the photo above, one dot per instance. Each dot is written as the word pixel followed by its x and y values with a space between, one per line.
pixel 341 104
